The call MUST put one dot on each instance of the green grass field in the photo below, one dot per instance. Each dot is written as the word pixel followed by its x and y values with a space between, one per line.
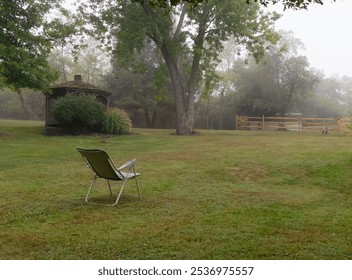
pixel 220 195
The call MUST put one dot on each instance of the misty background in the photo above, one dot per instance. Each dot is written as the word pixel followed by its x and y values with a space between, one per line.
pixel 308 71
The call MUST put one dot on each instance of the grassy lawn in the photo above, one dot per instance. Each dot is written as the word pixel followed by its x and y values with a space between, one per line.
pixel 220 195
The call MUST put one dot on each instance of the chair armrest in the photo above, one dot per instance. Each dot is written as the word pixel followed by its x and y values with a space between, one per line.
pixel 129 164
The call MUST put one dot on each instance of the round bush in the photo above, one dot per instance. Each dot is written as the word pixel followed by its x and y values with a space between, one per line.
pixel 116 121
pixel 79 113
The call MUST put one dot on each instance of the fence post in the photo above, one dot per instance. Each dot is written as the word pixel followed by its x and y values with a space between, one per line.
pixel 263 122
pixel 340 125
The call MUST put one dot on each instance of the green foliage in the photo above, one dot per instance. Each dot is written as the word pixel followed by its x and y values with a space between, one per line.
pixel 293 4
pixel 116 121
pixel 79 113
pixel 165 3
pixel 24 46
pixel 277 83
pixel 190 40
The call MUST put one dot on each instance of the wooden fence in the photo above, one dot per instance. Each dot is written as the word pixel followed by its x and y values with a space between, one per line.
pixel 298 124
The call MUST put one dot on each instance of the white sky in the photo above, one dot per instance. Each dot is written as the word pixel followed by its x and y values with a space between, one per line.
pixel 326 32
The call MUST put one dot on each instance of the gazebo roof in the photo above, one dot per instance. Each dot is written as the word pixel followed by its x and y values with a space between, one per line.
pixel 78 84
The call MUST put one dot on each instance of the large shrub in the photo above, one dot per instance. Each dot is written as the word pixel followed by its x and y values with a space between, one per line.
pixel 116 121
pixel 79 113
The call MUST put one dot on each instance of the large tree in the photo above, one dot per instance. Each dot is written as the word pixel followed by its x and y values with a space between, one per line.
pixel 25 44
pixel 277 83
pixel 189 40
pixel 332 98
pixel 144 91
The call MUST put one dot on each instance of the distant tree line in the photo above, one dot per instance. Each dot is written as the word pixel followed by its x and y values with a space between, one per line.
pixel 230 62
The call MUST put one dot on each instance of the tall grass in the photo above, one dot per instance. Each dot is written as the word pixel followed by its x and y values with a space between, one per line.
pixel 220 195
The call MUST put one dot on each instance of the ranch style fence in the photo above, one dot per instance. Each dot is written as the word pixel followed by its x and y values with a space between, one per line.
pixel 293 123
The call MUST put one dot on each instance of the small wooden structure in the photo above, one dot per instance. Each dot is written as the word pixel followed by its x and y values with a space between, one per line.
pixel 77 86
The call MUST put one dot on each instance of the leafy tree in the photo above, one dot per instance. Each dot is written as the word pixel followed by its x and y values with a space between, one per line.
pixel 66 44
pixel 276 84
pixel 61 60
pixel 144 89
pixel 25 45
pixel 89 60
pixel 296 4
pixel 216 111
pixel 256 93
pixel 188 39
pixel 332 98
pixel 22 50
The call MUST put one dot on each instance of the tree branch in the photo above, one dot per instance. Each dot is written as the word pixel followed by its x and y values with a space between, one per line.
pixel 180 21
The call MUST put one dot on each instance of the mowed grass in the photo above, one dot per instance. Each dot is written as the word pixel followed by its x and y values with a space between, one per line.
pixel 220 195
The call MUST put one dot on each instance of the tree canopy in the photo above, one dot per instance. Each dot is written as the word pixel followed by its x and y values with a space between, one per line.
pixel 24 44
pixel 189 40
pixel 293 4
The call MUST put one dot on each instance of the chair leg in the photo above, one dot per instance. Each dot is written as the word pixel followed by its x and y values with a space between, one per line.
pixel 139 193
pixel 135 177
pixel 109 187
pixel 120 192
pixel 90 188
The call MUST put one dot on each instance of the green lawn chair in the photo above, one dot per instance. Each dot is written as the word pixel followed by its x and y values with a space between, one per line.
pixel 103 167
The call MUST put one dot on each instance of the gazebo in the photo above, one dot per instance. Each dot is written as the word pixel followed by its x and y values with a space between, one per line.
pixel 77 86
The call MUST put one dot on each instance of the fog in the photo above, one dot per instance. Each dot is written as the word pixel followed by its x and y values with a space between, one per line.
pixel 325 32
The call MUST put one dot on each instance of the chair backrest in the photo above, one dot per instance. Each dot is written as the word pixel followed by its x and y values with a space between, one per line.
pixel 99 161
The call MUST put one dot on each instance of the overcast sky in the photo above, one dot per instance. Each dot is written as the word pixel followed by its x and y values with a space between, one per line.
pixel 326 31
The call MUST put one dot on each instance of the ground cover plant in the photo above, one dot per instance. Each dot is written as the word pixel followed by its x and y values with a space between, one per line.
pixel 219 195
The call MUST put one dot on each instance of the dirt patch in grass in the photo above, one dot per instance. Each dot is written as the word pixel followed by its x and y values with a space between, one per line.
pixel 250 173
pixel 3 134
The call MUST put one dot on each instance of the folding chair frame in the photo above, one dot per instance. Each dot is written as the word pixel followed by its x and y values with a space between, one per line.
pixel 116 174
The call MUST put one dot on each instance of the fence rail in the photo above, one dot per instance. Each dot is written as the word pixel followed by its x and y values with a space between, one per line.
pixel 298 124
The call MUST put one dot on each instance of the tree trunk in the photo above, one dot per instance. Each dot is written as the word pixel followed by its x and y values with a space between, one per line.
pixel 184 98
pixel 221 107
pixel 185 121
pixel 184 102
pixel 150 121
pixel 207 113
pixel 25 107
